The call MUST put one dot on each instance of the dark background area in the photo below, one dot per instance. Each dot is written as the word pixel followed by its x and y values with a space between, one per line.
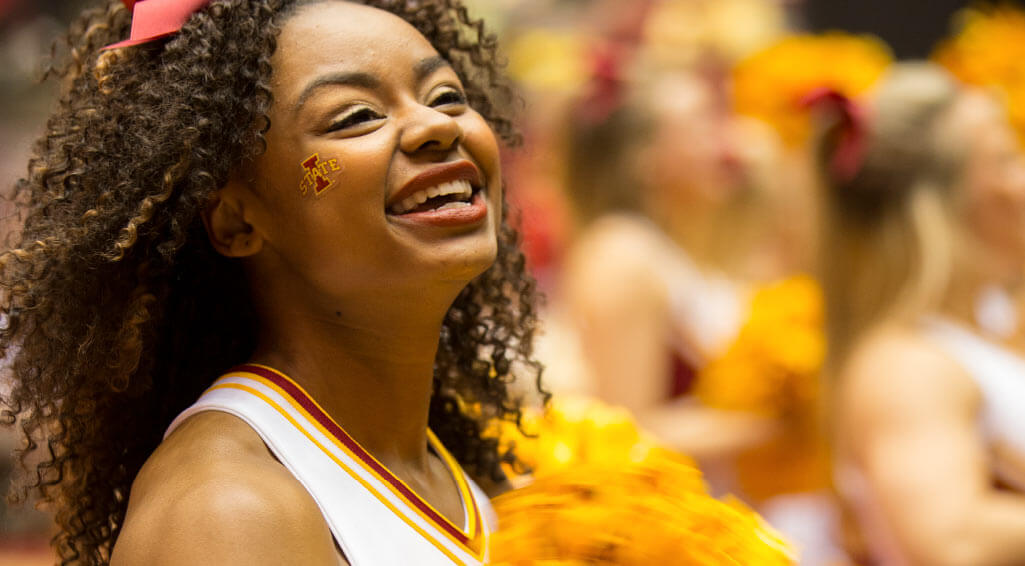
pixel 911 27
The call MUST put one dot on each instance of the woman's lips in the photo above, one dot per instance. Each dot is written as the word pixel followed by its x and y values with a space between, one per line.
pixel 448 216
pixel 462 170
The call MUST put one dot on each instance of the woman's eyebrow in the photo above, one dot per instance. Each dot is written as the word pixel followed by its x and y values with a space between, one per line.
pixel 357 79
pixel 425 67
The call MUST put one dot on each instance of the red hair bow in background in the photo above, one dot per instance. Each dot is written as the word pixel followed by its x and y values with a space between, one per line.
pixel 605 92
pixel 852 130
pixel 154 19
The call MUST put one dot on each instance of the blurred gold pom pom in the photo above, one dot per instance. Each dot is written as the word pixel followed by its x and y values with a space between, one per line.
pixel 575 432
pixel 773 367
pixel 988 51
pixel 769 85
pixel 549 60
pixel 602 492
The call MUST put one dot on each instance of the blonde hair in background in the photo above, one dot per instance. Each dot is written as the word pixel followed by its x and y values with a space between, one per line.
pixel 889 232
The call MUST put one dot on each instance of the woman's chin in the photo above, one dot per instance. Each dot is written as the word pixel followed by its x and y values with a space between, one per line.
pixel 451 255
pixel 467 265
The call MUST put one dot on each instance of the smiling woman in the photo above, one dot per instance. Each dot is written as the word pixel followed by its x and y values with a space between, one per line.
pixel 305 199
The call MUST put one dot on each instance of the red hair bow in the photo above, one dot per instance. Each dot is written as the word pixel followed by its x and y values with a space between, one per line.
pixel 154 19
pixel 605 91
pixel 852 130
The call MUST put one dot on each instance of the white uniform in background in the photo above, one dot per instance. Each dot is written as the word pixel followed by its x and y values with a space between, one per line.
pixel 1000 375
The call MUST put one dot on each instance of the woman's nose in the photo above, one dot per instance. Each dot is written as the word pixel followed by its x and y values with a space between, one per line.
pixel 427 129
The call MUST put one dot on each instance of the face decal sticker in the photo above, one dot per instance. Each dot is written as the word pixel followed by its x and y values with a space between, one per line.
pixel 315 173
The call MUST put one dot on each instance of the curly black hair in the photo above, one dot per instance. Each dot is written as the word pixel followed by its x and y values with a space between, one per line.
pixel 116 311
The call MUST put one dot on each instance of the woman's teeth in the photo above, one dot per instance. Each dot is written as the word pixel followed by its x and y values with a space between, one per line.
pixel 462 190
pixel 455 204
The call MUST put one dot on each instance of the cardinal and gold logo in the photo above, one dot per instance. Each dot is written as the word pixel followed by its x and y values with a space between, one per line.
pixel 315 179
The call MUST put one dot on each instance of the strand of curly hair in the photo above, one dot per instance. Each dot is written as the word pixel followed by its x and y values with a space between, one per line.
pixel 117 313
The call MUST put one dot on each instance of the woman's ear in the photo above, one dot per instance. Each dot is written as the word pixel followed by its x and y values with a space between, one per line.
pixel 227 224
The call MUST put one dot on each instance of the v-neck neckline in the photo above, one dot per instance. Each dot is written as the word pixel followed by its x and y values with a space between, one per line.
pixel 466 535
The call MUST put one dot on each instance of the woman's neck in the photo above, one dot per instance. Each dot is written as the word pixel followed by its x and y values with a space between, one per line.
pixel 369 364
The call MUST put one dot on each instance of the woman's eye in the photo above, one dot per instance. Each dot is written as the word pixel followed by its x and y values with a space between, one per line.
pixel 449 97
pixel 356 118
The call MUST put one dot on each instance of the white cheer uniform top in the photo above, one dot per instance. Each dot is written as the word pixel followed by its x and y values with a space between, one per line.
pixel 1000 376
pixel 376 519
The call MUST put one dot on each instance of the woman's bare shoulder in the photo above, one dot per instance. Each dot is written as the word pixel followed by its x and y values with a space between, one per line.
pixel 897 373
pixel 212 493
pixel 903 355
pixel 626 237
pixel 624 253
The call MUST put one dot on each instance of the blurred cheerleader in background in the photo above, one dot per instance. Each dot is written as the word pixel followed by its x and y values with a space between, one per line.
pixel 653 285
pixel 924 209
pixel 987 51
pixel 646 178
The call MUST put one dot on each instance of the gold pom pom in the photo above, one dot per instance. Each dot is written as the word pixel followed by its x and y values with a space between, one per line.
pixel 603 492
pixel 770 84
